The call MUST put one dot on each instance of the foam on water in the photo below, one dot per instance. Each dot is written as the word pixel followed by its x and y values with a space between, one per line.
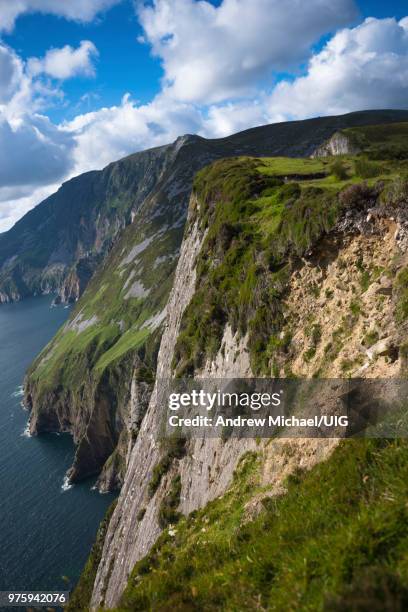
pixel 66 485
pixel 26 433
pixel 18 392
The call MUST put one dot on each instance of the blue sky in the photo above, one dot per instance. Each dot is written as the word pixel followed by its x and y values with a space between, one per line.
pixel 84 82
pixel 124 65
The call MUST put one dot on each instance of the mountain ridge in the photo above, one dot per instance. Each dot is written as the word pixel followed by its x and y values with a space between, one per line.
pixel 84 218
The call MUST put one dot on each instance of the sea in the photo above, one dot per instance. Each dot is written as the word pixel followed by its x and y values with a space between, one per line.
pixel 46 528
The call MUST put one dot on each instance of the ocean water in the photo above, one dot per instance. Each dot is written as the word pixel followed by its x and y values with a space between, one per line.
pixel 46 531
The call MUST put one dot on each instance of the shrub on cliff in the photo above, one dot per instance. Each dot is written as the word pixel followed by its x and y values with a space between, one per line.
pixel 366 169
pixel 396 193
pixel 339 170
pixel 358 197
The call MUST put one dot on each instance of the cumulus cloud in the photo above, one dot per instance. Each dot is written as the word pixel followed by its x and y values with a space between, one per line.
pixel 77 10
pixel 212 53
pixel 35 156
pixel 359 68
pixel 66 62
pixel 224 119
pixel 111 133
pixel 11 74
pixel 33 151
pixel 15 203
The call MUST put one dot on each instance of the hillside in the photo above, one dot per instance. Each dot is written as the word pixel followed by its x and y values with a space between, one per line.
pixel 95 377
pixel 288 267
pixel 333 538
pixel 57 246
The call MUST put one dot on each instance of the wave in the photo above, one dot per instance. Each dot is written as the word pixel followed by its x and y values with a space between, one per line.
pixel 26 433
pixel 19 392
pixel 66 485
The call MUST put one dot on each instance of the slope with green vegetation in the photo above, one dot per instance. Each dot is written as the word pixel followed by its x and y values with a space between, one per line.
pixel 336 539
pixel 81 382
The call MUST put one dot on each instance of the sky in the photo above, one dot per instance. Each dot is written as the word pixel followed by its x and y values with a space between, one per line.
pixel 86 82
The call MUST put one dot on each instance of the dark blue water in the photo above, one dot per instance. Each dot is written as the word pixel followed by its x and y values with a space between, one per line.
pixel 46 533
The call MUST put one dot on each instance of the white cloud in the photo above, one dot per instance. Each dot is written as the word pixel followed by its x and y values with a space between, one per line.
pixel 33 151
pixel 16 203
pixel 77 10
pixel 360 68
pixel 225 119
pixel 212 53
pixel 66 62
pixel 11 73
pixel 111 133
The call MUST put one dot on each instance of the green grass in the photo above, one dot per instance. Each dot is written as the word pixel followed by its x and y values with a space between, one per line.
pixel 285 166
pixel 337 540
pixel 129 341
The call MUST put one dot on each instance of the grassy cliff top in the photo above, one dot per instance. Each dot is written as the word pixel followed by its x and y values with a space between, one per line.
pixel 260 216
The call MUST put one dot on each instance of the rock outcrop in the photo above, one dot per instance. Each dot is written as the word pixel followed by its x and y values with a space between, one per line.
pixel 338 144
pixel 129 538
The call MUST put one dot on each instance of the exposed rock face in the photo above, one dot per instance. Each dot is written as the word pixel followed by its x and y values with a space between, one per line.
pixel 207 467
pixel 338 144
pixel 76 281
pixel 121 553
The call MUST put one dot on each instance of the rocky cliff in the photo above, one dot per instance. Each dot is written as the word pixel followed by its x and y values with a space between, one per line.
pixel 280 274
pixel 338 144
pixel 82 381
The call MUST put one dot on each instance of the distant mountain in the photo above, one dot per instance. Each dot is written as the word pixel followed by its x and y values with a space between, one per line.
pixel 57 246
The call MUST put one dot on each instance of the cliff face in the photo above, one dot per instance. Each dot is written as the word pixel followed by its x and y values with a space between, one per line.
pixel 298 278
pixel 76 226
pixel 338 144
pixel 82 381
